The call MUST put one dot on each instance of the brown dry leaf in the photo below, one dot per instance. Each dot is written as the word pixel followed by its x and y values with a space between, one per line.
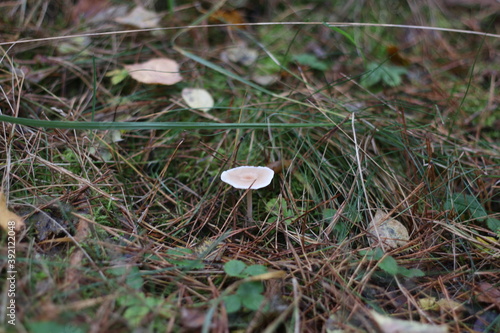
pixel 391 232
pixel 73 274
pixel 9 220
pixel 197 98
pixel 491 5
pixel 279 166
pixel 140 18
pixel 156 71
pixel 395 57
pixel 52 221
pixel 192 318
pixel 487 293
pixel 86 9
pixel 227 17
pixel 391 325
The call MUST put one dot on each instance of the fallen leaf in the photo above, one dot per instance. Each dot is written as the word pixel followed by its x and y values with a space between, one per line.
pixel 74 45
pixel 311 61
pixel 140 18
pixel 117 75
pixel 391 325
pixel 223 16
pixel 198 98
pixel 391 232
pixel 156 71
pixel 448 305
pixel 395 57
pixel 280 165
pixel 428 303
pixel 265 80
pixel 209 249
pixel 86 9
pixel 240 54
pixel 490 243
pixel 52 221
pixel 116 136
pixel 102 152
pixel 9 220
pixel 192 318
pixel 487 293
pixel 73 274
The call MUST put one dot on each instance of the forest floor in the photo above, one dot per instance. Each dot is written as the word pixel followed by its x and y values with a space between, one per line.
pixel 380 121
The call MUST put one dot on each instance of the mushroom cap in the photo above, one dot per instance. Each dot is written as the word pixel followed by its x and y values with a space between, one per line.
pixel 244 177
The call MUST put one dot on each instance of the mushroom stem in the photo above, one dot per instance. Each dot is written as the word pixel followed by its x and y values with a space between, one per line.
pixel 249 206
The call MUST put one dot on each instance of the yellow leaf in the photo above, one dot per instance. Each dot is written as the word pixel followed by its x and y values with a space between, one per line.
pixel 8 220
pixel 449 305
pixel 428 303
pixel 490 243
pixel 268 276
pixel 117 75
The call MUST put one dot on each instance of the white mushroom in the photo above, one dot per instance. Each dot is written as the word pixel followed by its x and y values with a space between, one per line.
pixel 248 177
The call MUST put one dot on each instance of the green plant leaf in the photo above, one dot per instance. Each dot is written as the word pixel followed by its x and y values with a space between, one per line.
pixel 117 75
pixel 249 288
pixel 373 254
pixel 272 206
pixel 250 294
pixel 178 258
pixel 53 327
pixel 133 279
pixel 410 273
pixel 493 224
pixel 235 268
pixel 135 314
pixel 254 270
pixel 179 251
pixel 252 301
pixel 343 33
pixel 389 265
pixel 138 306
pixel 310 60
pixel 232 303
pixel 188 264
pixel 463 203
pixel 392 75
pixel 383 74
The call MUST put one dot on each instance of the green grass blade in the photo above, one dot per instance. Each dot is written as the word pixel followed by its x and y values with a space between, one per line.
pixel 224 71
pixel 343 33
pixel 93 125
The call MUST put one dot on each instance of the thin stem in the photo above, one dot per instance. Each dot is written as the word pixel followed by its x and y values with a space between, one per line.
pixel 249 206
